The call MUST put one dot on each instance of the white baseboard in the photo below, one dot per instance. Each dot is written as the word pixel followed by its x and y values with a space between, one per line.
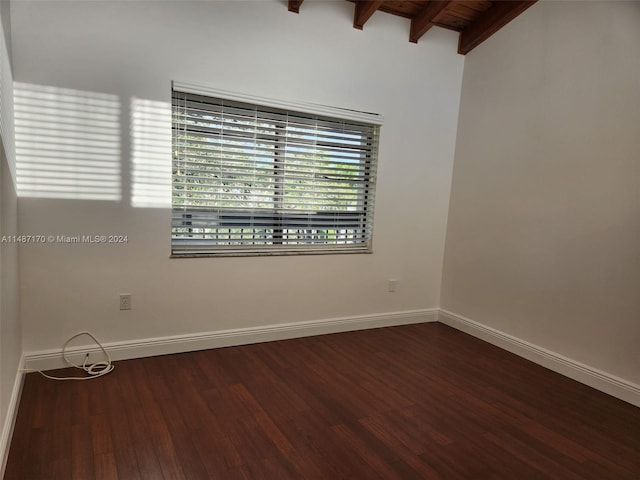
pixel 148 347
pixel 10 419
pixel 603 381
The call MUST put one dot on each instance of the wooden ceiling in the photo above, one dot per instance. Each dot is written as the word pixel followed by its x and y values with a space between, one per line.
pixel 476 20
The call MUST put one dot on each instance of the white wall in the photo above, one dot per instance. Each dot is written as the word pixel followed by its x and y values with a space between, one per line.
pixel 543 237
pixel 123 56
pixel 10 332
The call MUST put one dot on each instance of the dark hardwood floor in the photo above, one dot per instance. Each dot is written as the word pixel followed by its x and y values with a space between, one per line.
pixel 412 402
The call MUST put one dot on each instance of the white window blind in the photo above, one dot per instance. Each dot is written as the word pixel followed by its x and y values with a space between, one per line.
pixel 255 179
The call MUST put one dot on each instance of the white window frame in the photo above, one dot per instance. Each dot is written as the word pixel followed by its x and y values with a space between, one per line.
pixel 197 224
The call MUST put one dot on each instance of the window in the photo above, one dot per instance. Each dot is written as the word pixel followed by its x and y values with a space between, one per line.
pixel 256 178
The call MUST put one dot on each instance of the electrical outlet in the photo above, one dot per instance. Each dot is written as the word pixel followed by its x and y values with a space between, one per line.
pixel 125 301
pixel 392 285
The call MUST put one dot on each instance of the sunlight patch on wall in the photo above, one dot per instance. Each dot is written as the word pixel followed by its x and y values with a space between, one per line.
pixel 151 153
pixel 67 143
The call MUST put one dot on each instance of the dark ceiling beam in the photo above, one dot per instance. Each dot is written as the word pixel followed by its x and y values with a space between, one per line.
pixel 491 20
pixel 423 21
pixel 363 11
pixel 294 5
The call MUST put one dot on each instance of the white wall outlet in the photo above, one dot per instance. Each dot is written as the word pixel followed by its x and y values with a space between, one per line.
pixel 392 285
pixel 125 301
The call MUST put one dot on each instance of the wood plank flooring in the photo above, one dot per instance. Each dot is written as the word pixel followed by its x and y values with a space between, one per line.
pixel 413 402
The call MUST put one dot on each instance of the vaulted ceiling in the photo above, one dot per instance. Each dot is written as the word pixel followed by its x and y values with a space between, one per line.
pixel 476 20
